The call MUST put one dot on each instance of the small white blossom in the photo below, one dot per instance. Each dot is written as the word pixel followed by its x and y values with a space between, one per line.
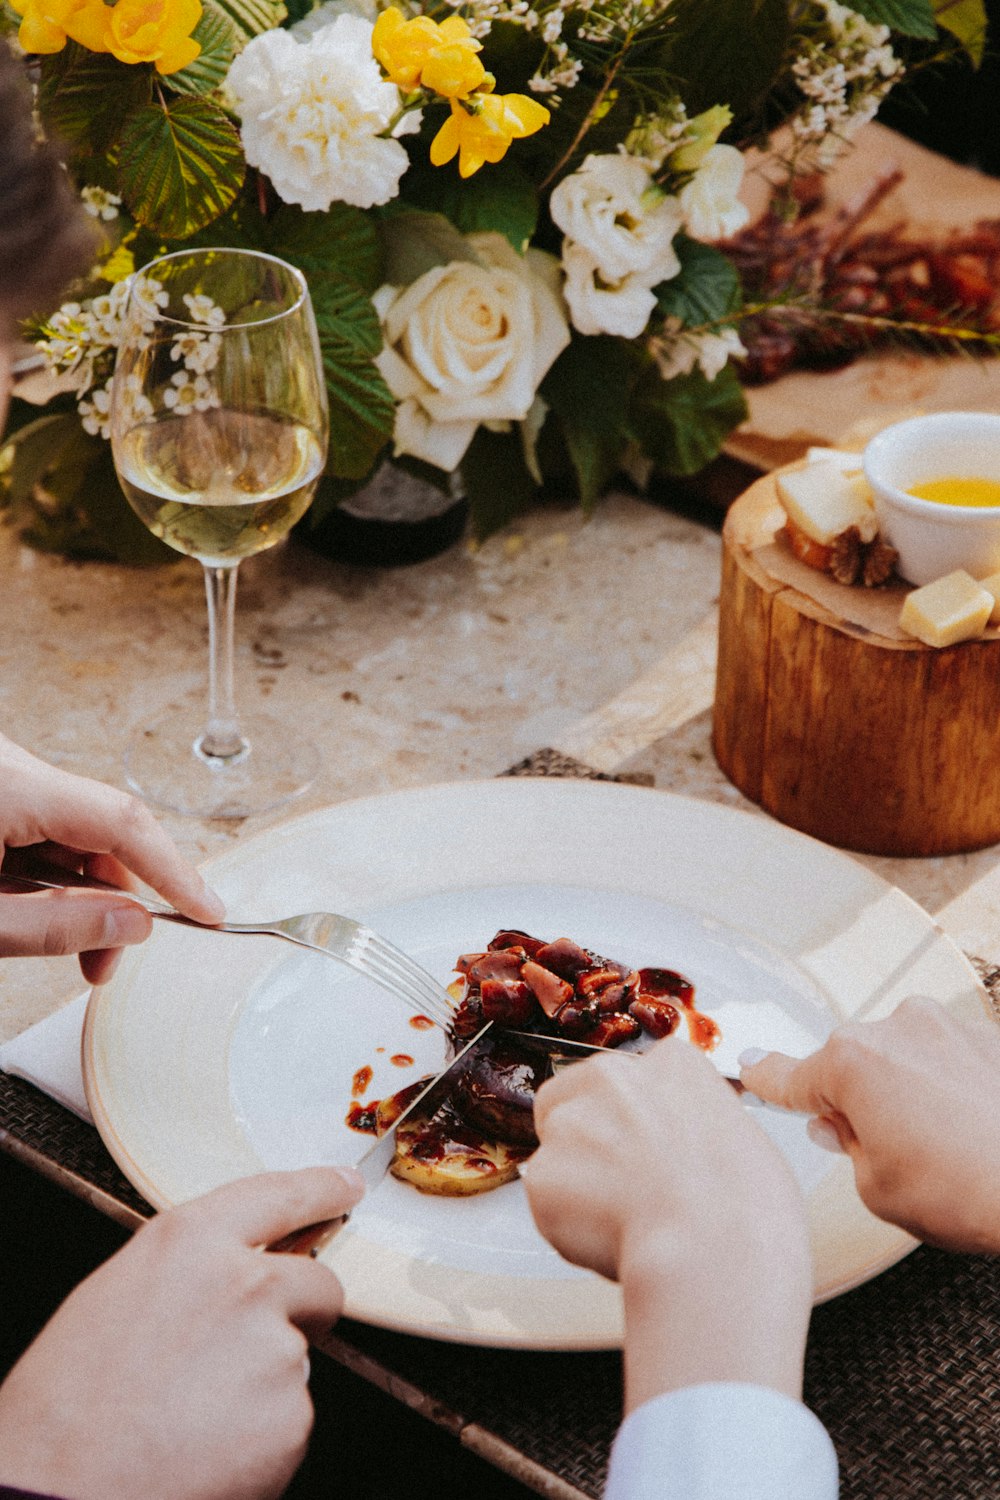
pixel 679 353
pixel 99 203
pixel 185 394
pixel 204 310
pixel 96 412
pixel 198 351
pixel 314 115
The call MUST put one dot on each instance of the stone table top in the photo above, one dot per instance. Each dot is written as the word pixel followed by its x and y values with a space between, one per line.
pixel 554 634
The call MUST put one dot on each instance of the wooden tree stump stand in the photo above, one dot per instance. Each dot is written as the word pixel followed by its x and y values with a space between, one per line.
pixel 832 720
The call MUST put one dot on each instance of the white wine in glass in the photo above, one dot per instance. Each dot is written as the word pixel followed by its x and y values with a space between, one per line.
pixel 219 431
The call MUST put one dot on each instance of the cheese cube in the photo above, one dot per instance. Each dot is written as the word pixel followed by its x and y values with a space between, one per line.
pixel 953 608
pixel 846 462
pixel 823 502
pixel 992 586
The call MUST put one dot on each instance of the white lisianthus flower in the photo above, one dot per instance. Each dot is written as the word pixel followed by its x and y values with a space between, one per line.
pixel 313 113
pixel 612 209
pixel 468 343
pixel 710 202
pixel 596 306
pixel 711 351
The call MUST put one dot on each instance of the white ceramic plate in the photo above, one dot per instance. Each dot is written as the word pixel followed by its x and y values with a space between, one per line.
pixel 210 1056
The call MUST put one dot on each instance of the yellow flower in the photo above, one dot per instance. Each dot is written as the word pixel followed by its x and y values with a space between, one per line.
pixel 156 31
pixel 427 54
pixel 48 24
pixel 484 134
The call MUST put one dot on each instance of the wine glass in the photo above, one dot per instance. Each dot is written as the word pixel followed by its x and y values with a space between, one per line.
pixel 219 430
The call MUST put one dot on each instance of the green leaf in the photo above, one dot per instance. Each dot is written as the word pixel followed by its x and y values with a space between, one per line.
pixel 341 242
pixel 728 51
pixel 84 96
pixel 910 17
pixel 681 423
pixel 588 391
pixel 967 21
pixel 502 199
pixel 362 408
pixel 706 289
pixel 219 39
pixel 181 165
pixel 496 480
pixel 251 17
pixel 414 242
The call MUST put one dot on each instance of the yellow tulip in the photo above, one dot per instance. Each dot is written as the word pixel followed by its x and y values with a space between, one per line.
pixel 484 132
pixel 421 53
pixel 154 31
pixel 48 24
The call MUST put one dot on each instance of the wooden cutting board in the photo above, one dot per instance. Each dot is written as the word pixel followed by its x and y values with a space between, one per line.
pixel 833 720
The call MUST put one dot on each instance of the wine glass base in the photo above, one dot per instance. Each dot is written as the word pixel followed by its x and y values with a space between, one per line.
pixel 163 766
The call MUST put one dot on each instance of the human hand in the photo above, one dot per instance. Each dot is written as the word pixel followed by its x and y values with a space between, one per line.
pixel 912 1099
pixel 177 1371
pixel 87 826
pixel 650 1171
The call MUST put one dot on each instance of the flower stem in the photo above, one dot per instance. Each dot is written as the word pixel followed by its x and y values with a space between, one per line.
pixel 590 116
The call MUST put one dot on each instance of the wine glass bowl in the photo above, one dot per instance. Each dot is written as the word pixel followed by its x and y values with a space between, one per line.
pixel 219 431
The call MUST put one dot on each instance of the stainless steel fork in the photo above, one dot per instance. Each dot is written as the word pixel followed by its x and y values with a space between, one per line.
pixel 340 938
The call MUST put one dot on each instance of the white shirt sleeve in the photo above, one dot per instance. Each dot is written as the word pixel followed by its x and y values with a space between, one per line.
pixel 722 1442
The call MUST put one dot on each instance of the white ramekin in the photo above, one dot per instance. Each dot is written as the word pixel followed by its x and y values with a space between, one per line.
pixel 933 539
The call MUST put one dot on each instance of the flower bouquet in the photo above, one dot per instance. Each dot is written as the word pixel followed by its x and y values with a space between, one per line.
pixel 512 214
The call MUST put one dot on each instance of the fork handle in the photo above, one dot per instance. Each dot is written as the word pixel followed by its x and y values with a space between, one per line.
pixel 45 876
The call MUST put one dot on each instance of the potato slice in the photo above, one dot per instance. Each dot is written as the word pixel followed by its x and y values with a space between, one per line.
pixel 438 1153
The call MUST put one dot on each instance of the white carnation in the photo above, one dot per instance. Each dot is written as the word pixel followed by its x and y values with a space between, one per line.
pixel 613 210
pixel 313 112
pixel 710 202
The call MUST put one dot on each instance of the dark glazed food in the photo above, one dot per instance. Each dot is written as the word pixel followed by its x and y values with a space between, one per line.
pixel 476 1138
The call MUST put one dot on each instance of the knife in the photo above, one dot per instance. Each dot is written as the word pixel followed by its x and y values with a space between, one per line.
pixel 563 1050
pixel 372 1165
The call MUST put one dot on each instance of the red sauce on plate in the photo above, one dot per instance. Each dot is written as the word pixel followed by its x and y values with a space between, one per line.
pixel 421 1023
pixel 360 1081
pixel 401 1060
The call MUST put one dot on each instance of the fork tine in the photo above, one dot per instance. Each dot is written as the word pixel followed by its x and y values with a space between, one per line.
pixel 383 962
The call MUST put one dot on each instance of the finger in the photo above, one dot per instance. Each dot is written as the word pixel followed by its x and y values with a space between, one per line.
pixel 99 819
pixel 261 1209
pixel 791 1082
pixel 311 1296
pixel 98 966
pixel 56 922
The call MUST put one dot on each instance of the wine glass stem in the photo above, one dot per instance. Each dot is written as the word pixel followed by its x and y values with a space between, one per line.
pixel 221 741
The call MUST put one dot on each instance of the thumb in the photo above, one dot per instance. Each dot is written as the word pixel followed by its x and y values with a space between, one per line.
pixel 57 922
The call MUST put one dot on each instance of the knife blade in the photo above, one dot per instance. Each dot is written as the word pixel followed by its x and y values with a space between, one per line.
pixel 373 1164
pixel 564 1050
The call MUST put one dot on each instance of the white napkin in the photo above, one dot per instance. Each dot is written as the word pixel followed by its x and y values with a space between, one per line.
pixel 48 1055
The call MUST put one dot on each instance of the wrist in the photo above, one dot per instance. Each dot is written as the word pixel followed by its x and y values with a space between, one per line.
pixel 705 1318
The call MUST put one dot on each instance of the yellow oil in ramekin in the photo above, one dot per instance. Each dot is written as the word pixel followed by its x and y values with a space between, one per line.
pixel 951 491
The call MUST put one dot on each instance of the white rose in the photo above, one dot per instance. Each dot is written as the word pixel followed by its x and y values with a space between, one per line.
pixel 469 342
pixel 312 114
pixel 596 306
pixel 612 208
pixel 710 202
